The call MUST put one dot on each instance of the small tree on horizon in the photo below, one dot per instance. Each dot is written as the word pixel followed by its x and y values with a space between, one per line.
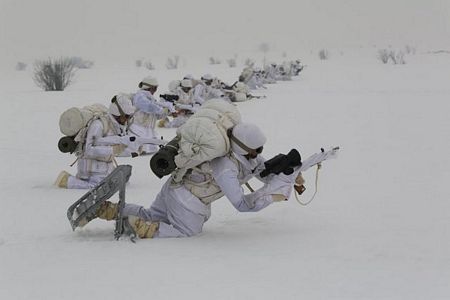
pixel 324 54
pixel 54 74
pixel 21 66
pixel 172 62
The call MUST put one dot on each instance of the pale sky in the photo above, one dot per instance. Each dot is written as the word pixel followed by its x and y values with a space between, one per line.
pixel 41 28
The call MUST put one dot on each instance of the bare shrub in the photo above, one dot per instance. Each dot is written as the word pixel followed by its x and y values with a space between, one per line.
pixel 410 49
pixel 149 65
pixel 53 74
pixel 396 57
pixel 249 62
pixel 172 62
pixel 231 62
pixel 138 63
pixel 214 61
pixel 383 55
pixel 21 66
pixel 324 54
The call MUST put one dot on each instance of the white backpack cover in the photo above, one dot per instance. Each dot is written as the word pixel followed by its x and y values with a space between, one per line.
pixel 204 136
pixel 74 119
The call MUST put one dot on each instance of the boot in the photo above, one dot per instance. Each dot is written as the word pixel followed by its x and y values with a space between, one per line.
pixel 162 122
pixel 142 228
pixel 61 180
pixel 108 211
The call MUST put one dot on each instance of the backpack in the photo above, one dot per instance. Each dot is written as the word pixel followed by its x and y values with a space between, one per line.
pixel 74 124
pixel 205 135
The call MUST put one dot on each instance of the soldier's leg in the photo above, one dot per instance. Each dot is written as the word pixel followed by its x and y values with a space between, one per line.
pixel 76 183
pixel 176 211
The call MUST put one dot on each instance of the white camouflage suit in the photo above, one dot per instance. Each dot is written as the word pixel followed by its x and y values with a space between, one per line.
pixel 182 209
pixel 96 161
pixel 182 214
pixel 148 111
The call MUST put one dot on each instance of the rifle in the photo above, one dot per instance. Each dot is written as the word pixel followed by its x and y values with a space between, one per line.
pixel 250 96
pixel 126 140
pixel 169 97
pixel 134 141
pixel 291 162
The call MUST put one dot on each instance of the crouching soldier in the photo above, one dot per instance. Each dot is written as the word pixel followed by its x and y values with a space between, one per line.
pixel 95 160
pixel 181 209
pixel 148 111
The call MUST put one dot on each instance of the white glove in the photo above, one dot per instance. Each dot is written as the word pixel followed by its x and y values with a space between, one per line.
pixel 118 149
pixel 168 105
pixel 282 184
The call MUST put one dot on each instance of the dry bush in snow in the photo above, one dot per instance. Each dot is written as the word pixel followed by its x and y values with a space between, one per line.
pixel 21 66
pixel 324 54
pixel 410 49
pixel 148 64
pixel 383 55
pixel 53 74
pixel 172 62
pixel 231 62
pixel 249 62
pixel 138 63
pixel 396 57
pixel 214 61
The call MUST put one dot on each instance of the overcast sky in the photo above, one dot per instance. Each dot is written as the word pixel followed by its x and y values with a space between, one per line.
pixel 40 28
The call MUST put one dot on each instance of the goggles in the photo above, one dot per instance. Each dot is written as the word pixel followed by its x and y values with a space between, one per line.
pixel 253 153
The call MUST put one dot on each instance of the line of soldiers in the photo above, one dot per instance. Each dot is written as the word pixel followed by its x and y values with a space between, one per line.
pixel 138 115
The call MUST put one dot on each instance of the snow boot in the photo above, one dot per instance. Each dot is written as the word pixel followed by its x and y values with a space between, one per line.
pixel 62 179
pixel 108 211
pixel 162 122
pixel 142 228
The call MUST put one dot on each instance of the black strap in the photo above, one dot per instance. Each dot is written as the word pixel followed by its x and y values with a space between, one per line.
pixel 122 113
pixel 238 142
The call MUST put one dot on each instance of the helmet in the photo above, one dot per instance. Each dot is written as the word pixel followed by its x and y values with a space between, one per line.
pixel 186 83
pixel 188 76
pixel 241 87
pixel 147 82
pixel 173 85
pixel 245 137
pixel 207 77
pixel 121 104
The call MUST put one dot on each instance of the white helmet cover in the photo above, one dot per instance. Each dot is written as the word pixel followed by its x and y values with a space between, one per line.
pixel 121 102
pixel 248 134
pixel 147 82
pixel 186 83
pixel 207 77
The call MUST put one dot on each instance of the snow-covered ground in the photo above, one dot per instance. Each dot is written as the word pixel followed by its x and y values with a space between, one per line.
pixel 379 227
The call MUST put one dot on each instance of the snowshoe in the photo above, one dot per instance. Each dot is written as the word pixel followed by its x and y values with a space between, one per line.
pixel 85 209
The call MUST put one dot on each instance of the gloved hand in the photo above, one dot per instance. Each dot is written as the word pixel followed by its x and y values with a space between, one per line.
pixel 168 105
pixel 166 111
pixel 282 185
pixel 118 149
pixel 299 185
